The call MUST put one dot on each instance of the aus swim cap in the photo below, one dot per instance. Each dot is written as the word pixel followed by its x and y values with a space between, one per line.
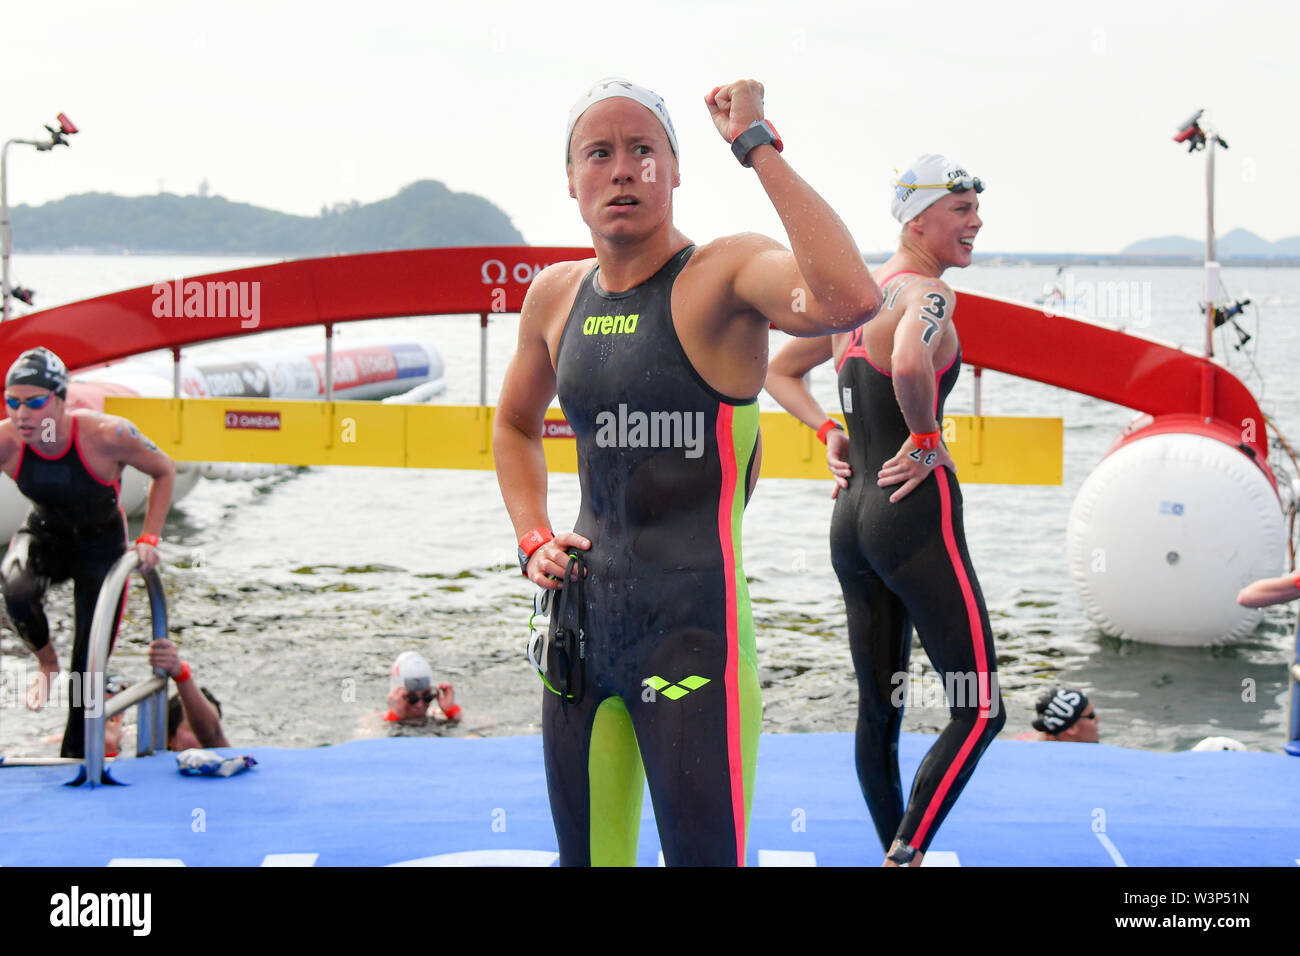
pixel 42 368
pixel 613 86
pixel 1059 710
pixel 925 182
pixel 411 671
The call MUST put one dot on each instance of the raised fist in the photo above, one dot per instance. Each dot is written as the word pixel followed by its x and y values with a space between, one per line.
pixel 735 106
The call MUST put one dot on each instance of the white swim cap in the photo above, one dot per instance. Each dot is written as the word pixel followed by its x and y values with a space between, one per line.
pixel 925 182
pixel 613 86
pixel 412 671
pixel 1220 743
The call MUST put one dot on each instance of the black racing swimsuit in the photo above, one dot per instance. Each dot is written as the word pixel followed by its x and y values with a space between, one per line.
pixel 75 530
pixel 669 678
pixel 901 565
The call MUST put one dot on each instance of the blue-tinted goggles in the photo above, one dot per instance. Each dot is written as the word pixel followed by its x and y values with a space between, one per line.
pixel 36 402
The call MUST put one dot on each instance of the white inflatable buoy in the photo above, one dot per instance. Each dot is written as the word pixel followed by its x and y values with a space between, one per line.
pixel 135 486
pixel 1165 532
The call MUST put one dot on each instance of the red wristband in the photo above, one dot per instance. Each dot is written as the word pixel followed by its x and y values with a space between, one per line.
pixel 826 429
pixel 147 539
pixel 184 675
pixel 451 714
pixel 926 442
pixel 534 540
pixel 1297 580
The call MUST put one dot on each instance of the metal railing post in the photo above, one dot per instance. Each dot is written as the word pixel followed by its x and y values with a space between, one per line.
pixel 101 626
pixel 1293 742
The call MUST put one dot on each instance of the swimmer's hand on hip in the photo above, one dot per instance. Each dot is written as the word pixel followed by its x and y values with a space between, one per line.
pixel 548 564
pixel 910 467
pixel 837 459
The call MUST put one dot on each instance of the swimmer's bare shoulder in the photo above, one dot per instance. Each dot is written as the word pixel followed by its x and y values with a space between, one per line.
pixel 550 297
pixel 718 266
pixel 924 312
pixel 9 446
pixel 909 293
pixel 754 277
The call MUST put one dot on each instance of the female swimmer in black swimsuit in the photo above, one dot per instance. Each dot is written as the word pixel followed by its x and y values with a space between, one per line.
pixel 897 542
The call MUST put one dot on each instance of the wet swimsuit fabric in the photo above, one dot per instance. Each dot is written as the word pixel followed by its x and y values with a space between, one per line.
pixel 900 565
pixel 668 686
pixel 75 530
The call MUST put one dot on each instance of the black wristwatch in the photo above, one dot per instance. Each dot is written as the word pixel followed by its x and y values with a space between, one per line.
pixel 760 133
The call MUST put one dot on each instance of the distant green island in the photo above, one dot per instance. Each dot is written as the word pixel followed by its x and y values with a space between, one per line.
pixel 423 215
pixel 427 214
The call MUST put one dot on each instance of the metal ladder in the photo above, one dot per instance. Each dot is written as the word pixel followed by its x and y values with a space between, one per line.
pixel 149 696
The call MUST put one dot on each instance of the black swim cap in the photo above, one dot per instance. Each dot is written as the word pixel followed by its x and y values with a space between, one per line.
pixel 176 712
pixel 1059 709
pixel 42 368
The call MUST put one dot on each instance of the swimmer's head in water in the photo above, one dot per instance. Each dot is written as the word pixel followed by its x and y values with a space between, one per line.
pixel 41 368
pixel 411 671
pixel 176 717
pixel 1059 709
pixel 927 180
pixel 613 86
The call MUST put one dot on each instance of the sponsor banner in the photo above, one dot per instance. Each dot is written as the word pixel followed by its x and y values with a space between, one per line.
pixel 412 360
pixel 259 421
pixel 556 428
pixel 240 379
pixel 354 367
pixel 293 378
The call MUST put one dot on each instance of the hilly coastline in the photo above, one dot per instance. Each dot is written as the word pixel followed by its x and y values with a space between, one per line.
pixel 1235 244
pixel 424 214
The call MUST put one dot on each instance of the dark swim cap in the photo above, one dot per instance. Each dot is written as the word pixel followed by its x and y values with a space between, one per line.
pixel 176 711
pixel 1059 709
pixel 42 368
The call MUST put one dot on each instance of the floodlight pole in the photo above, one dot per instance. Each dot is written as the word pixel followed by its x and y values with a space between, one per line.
pixel 57 138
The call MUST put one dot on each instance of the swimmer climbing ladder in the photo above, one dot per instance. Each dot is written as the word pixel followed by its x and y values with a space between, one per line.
pixel 150 696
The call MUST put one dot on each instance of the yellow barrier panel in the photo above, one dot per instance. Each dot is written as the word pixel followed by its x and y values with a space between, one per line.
pixel 989 449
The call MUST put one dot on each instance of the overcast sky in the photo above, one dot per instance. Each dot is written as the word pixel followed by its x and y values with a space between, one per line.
pixel 1065 111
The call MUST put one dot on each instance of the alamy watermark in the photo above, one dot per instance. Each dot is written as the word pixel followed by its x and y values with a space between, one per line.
pixel 954 689
pixel 624 429
pixel 1127 301
pixel 192 299
pixel 65 689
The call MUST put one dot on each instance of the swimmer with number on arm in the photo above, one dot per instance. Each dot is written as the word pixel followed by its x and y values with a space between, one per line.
pixel 897 539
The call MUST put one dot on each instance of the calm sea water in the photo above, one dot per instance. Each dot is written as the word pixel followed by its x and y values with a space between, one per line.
pixel 292 595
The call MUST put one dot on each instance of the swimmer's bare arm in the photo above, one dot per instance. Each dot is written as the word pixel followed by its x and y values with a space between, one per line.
pixel 526 394
pixel 785 378
pixel 927 318
pixel 785 383
pixel 47 658
pixel 202 716
pixel 119 439
pixel 1269 591
pixel 9 445
pixel 823 285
